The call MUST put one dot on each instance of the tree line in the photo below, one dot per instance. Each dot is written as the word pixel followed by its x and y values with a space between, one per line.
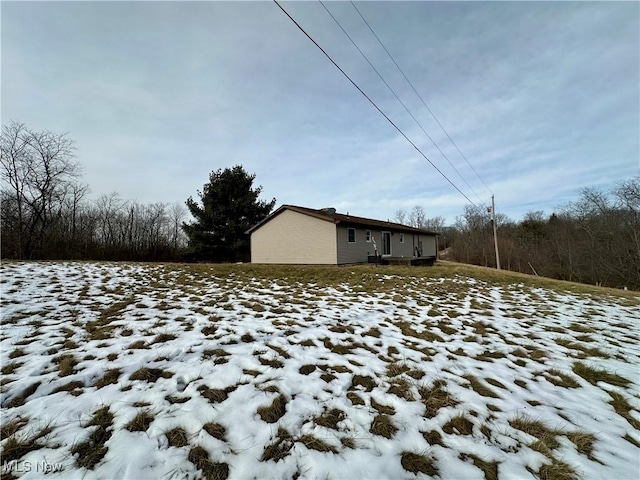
pixel 46 214
pixel 595 239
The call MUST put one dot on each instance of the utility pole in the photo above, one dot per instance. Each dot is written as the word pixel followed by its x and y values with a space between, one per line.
pixel 495 231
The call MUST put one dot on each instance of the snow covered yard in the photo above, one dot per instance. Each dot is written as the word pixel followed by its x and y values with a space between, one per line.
pixel 145 371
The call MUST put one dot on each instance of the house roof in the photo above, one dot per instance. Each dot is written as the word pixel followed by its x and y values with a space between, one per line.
pixel 326 215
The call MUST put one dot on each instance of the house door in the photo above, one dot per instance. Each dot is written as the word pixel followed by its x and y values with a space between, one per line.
pixel 386 243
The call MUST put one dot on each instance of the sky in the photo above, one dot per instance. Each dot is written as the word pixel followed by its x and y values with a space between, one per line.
pixel 541 99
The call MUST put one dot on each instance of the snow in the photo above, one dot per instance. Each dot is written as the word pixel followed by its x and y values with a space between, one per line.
pixel 260 321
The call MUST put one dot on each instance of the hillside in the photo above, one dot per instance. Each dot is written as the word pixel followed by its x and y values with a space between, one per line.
pixel 136 371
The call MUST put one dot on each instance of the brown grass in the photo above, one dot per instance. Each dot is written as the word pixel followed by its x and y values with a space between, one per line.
pixel 313 443
pixel 368 383
pixel 210 470
pixel 622 408
pixel 110 377
pixel 150 375
pixel 93 450
pixel 215 430
pixel 141 422
pixel 20 399
pixel 490 469
pixel 435 398
pixel 274 412
pixel 595 375
pixel 416 463
pixel 331 418
pixel 279 448
pixel 557 470
pixel 479 387
pixel 177 437
pixel 459 425
pixel 383 426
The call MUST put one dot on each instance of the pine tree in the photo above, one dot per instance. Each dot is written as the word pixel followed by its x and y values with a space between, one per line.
pixel 228 207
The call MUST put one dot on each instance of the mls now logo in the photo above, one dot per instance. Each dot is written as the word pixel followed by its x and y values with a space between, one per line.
pixel 16 466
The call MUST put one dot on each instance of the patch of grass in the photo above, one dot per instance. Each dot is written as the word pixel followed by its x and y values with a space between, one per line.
pixel 622 408
pixel 215 395
pixel 364 381
pixel 480 387
pixel 488 356
pixel 18 352
pixel 74 388
pixel 396 368
pixel 15 448
pixel 177 437
pixel 585 350
pixel 247 338
pixel 164 337
pixel 560 379
pixel 426 334
pixel 279 448
pixel 313 443
pixel 417 463
pixel 331 418
pixel 546 437
pixel 139 345
pixel 10 428
pixel 435 398
pixel 110 377
pixel 490 469
pixel 433 437
pixel 271 362
pixel 459 425
pixel 215 430
pixel 355 399
pixel 557 470
pixel 401 387
pixel 307 369
pixel 21 398
pixel 141 422
pixel 93 450
pixel 10 368
pixel 584 443
pixel 209 330
pixel 66 364
pixel 150 375
pixel 275 411
pixel 383 426
pixel 595 375
pixel 385 409
pixel 348 442
pixel 631 440
pixel 210 470
pixel 495 383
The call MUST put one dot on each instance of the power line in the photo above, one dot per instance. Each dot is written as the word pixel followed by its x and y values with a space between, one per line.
pixel 372 102
pixel 399 100
pixel 419 96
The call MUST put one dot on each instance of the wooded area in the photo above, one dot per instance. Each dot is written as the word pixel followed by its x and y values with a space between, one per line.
pixel 46 215
pixel 595 239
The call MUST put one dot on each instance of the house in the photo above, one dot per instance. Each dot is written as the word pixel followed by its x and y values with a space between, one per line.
pixel 300 235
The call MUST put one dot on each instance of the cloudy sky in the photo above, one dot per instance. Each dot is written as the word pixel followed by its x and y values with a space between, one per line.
pixel 541 98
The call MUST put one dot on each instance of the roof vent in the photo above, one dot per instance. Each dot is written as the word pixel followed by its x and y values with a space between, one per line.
pixel 330 211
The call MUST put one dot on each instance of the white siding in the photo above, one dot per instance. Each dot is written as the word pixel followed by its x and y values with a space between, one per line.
pixel 292 237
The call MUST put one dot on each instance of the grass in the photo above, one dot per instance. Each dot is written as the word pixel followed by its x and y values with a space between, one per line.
pixel 417 463
pixel 435 398
pixel 110 377
pixel 141 422
pixel 90 452
pixel 210 470
pixel 546 436
pixel 584 442
pixel 16 446
pixel 313 443
pixel 150 375
pixel 489 469
pixel 331 418
pixel 366 382
pixel 557 470
pixel 560 379
pixel 480 387
pixel 274 412
pixel 459 425
pixel 279 448
pixel 215 430
pixel 622 408
pixel 21 398
pixel 595 375
pixel 177 437
pixel 383 426
pixel 215 395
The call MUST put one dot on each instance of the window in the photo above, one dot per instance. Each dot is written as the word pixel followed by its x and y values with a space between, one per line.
pixel 351 234
pixel 402 238
pixel 367 236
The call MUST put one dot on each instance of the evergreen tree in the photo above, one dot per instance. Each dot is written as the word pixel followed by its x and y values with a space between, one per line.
pixel 228 207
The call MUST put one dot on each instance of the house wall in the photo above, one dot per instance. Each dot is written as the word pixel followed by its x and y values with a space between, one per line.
pixel 357 252
pixel 429 246
pixel 292 237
